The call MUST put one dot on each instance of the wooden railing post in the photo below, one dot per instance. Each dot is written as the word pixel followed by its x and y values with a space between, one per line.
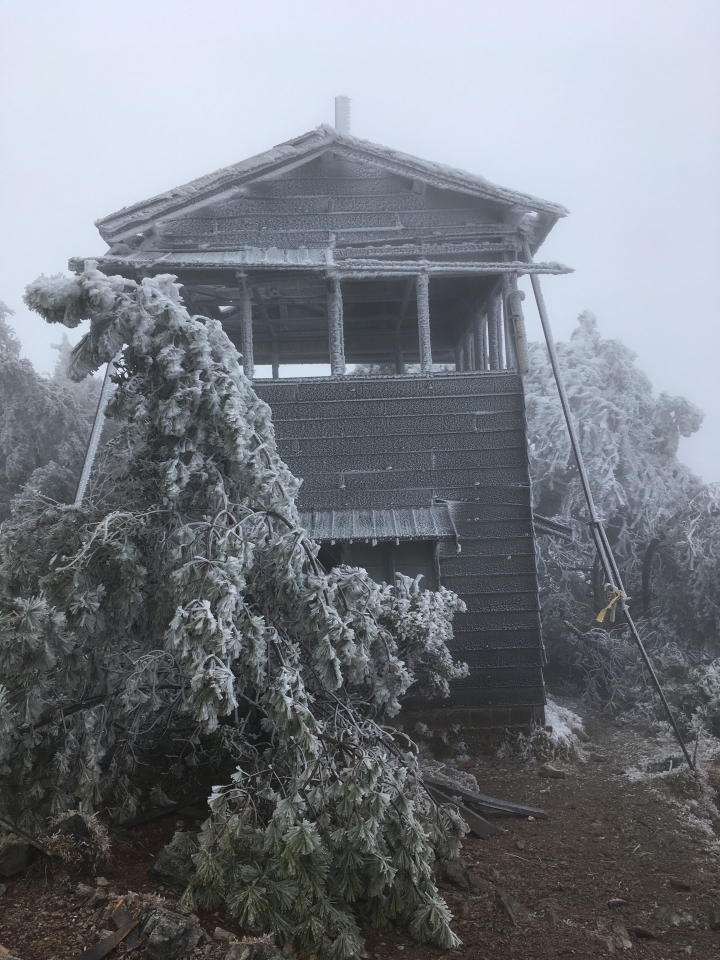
pixel 337 337
pixel 423 313
pixel 470 360
pixel 517 321
pixel 246 331
pixel 494 321
pixel 507 325
pixel 479 335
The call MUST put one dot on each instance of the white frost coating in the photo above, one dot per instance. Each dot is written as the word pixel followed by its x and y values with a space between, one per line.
pixel 246 332
pixel 337 336
pixel 95 434
pixel 494 322
pixel 423 312
pixel 556 741
pixel 444 773
pixel 298 151
pixel 564 724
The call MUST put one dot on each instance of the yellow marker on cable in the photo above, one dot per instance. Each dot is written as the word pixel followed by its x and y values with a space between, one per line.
pixel 611 603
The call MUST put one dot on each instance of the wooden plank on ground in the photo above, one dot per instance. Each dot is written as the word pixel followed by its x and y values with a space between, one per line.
pixel 478 825
pixel 103 948
pixel 488 804
pixel 122 918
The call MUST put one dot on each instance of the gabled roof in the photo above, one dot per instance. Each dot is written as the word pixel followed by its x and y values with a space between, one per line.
pixel 285 156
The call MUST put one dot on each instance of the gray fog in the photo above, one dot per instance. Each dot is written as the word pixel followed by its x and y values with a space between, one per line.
pixel 610 107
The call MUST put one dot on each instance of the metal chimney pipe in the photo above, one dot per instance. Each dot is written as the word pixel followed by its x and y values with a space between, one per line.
pixel 342 114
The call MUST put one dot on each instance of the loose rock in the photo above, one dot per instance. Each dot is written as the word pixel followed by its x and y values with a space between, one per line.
pixel 174 868
pixel 512 909
pixel 678 884
pixel 170 936
pixel 621 936
pixel 552 773
pixel 97 897
pixel 15 855
pixel 453 873
pixel 73 826
pixel 550 914
pixel 492 873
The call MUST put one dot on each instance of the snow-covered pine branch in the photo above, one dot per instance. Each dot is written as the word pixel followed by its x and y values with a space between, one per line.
pixel 181 617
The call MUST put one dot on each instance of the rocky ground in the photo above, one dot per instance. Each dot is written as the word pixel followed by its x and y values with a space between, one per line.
pixel 627 863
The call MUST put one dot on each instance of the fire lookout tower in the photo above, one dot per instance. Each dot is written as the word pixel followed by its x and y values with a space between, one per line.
pixel 401 276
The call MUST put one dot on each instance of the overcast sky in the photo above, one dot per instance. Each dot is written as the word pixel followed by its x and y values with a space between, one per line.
pixel 610 107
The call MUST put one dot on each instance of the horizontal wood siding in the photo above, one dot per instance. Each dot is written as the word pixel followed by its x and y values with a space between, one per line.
pixel 376 442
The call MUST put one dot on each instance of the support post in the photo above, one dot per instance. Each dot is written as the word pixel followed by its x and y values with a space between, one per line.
pixel 246 331
pixel 470 363
pixel 597 529
pixel 95 433
pixel 423 313
pixel 274 352
pixel 399 359
pixel 510 360
pixel 515 298
pixel 335 322
pixel 494 320
pixel 479 335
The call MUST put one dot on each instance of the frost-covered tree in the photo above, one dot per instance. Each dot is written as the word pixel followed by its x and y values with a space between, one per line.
pixel 181 617
pixel 662 522
pixel 86 392
pixel 44 426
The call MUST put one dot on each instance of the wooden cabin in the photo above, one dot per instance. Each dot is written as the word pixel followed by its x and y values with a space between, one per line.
pixel 400 277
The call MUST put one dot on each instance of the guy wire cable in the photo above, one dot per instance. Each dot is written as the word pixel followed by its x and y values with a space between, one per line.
pixel 602 545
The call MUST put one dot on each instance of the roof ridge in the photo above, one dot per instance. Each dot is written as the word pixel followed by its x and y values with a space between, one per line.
pixel 297 151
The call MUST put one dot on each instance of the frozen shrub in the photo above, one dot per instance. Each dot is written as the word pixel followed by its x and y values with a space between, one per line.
pixel 663 525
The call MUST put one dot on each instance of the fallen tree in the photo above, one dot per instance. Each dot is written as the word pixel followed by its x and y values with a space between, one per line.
pixel 180 618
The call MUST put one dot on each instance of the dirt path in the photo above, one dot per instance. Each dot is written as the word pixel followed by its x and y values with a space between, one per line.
pixel 609 838
pixel 612 835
